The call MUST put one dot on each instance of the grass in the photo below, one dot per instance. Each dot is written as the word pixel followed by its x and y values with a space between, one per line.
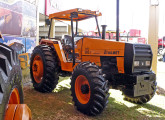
pixel 25 72
pixel 59 106
pixel 26 75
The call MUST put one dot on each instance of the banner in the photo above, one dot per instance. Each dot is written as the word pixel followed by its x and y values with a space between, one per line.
pixel 29 10
pixel 30 44
pixel 29 27
pixel 27 44
pixel 18 17
pixel 52 6
pixel 12 5
pixel 10 22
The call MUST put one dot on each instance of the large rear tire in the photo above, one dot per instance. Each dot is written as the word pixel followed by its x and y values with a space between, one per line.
pixel 44 69
pixel 89 89
pixel 10 79
pixel 142 99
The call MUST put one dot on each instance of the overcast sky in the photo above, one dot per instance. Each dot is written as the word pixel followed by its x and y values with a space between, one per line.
pixel 134 14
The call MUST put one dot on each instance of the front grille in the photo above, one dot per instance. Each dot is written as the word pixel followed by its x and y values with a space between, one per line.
pixel 142 53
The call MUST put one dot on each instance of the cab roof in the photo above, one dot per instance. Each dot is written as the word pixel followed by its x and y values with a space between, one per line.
pixel 82 14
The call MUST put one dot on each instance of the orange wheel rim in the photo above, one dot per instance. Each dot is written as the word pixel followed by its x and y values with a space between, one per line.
pixel 17 112
pixel 14 97
pixel 37 68
pixel 82 89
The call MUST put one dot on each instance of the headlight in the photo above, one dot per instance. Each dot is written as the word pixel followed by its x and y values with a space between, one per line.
pixel 136 63
pixel 148 63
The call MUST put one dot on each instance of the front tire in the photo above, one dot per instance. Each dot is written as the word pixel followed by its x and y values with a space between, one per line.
pixel 89 89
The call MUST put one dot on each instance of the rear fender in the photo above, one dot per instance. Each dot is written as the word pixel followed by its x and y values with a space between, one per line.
pixel 58 48
pixel 65 66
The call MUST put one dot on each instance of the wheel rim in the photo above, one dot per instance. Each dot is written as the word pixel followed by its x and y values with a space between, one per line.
pixel 37 68
pixel 83 95
pixel 14 97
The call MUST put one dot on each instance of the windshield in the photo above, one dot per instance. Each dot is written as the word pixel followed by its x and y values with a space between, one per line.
pixel 86 28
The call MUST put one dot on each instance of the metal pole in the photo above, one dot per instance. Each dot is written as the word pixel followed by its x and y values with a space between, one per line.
pixel 73 52
pixel 104 31
pixel 127 36
pixel 117 20
pixel 25 44
pixel 76 27
pixel 98 26
pixel 49 29
pixel 153 32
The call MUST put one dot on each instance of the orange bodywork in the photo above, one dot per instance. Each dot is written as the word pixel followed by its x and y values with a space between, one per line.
pixel 86 49
pixel 65 66
pixel 90 49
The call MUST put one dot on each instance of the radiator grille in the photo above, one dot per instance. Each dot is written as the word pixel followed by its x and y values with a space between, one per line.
pixel 142 54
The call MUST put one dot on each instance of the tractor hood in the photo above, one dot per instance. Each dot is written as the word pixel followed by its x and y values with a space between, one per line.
pixel 100 47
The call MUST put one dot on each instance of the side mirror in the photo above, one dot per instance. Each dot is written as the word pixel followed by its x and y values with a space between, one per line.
pixel 47 21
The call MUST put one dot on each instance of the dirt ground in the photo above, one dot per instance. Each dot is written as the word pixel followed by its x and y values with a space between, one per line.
pixel 58 105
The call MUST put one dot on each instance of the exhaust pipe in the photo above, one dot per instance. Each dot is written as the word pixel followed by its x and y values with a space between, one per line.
pixel 103 31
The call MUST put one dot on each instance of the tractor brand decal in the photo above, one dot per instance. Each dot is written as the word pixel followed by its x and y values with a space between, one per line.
pixel 111 52
pixel 96 52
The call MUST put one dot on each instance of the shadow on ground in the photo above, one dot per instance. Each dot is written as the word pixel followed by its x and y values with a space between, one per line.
pixel 59 106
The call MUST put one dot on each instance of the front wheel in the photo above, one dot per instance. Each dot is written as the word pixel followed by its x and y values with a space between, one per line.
pixel 89 89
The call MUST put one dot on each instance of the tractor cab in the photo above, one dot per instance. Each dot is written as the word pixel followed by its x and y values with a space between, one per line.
pixel 77 15
pixel 69 42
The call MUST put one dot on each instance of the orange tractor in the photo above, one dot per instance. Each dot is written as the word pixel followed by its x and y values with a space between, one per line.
pixel 11 92
pixel 96 65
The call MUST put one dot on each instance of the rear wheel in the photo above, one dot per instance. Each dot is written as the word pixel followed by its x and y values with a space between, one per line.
pixel 44 68
pixel 89 89
pixel 11 92
pixel 142 99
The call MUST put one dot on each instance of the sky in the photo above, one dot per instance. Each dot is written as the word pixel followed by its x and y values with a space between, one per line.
pixel 134 14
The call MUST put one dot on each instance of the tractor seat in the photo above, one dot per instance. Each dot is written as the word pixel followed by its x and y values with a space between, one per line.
pixel 67 42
